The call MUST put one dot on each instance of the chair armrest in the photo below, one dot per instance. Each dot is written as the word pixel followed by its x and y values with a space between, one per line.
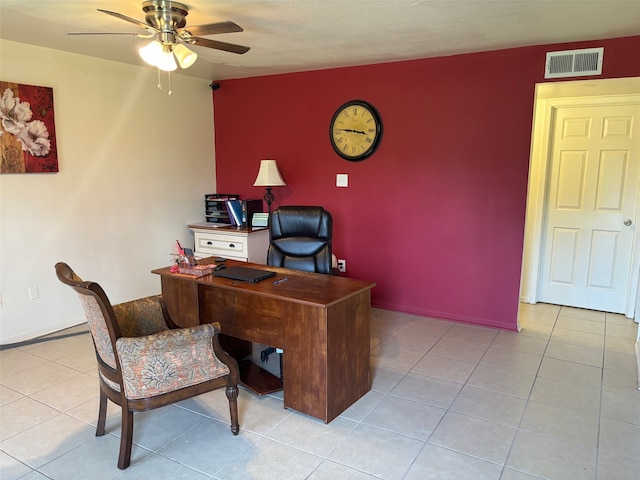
pixel 144 316
pixel 169 360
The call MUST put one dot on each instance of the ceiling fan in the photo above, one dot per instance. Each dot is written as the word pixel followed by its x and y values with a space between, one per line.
pixel 165 23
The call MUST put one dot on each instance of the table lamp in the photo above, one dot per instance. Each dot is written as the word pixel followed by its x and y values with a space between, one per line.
pixel 269 176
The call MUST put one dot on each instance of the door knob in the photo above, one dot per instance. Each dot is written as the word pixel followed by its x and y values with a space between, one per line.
pixel 627 222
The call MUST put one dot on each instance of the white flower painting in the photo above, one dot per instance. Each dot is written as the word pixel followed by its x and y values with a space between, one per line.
pixel 25 138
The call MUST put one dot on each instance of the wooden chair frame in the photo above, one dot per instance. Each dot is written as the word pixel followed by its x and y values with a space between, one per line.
pixel 110 377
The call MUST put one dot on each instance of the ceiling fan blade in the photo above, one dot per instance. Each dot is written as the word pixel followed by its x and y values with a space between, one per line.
pixel 103 33
pixel 227 47
pixel 129 19
pixel 213 29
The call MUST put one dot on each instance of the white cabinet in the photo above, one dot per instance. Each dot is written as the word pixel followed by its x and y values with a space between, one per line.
pixel 230 242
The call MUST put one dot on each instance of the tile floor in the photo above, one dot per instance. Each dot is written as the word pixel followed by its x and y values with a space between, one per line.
pixel 449 401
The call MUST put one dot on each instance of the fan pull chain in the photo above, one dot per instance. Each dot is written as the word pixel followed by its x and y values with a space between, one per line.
pixel 160 82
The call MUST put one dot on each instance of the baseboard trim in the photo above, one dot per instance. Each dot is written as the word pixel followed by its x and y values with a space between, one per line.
pixel 638 362
pixel 45 338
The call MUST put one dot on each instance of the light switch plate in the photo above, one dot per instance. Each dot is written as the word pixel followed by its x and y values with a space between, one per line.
pixel 342 180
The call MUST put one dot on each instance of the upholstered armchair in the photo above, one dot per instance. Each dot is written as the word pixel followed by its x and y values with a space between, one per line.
pixel 145 362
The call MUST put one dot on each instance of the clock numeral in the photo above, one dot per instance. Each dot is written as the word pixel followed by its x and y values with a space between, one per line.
pixel 372 130
pixel 345 148
pixel 368 139
pixel 346 114
pixel 353 150
pixel 370 120
pixel 337 131
pixel 339 141
pixel 355 111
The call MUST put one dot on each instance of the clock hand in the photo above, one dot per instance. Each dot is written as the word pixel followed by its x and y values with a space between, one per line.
pixel 350 130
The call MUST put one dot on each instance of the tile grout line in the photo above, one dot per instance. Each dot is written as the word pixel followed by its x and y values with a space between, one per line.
pixel 528 400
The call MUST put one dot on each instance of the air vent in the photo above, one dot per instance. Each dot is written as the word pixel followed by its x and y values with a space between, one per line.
pixel 574 63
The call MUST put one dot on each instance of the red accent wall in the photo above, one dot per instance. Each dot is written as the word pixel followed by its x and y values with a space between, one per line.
pixel 436 216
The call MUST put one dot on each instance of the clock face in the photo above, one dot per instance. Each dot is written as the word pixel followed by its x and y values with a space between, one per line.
pixel 355 130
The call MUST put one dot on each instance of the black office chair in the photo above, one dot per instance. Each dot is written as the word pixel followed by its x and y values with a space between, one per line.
pixel 300 239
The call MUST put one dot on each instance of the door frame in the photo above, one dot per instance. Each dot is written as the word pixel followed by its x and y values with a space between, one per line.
pixel 548 97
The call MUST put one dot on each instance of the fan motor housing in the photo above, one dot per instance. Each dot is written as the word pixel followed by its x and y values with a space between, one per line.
pixel 165 15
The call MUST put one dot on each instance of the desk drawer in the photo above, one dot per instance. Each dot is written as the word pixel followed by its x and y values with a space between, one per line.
pixel 222 245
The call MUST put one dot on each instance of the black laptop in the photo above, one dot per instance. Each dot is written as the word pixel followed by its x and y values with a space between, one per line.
pixel 244 274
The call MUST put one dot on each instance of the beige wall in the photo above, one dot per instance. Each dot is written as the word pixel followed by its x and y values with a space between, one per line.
pixel 134 163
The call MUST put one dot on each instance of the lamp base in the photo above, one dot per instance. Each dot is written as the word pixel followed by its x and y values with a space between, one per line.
pixel 268 197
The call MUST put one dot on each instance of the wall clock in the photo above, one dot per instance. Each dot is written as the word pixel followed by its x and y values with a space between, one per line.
pixel 355 130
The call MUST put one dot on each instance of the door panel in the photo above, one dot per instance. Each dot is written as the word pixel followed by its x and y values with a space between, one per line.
pixel 604 249
pixel 564 246
pixel 594 178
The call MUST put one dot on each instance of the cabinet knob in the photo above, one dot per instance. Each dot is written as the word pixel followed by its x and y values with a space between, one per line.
pixel 627 222
pixel 231 245
pixel 209 243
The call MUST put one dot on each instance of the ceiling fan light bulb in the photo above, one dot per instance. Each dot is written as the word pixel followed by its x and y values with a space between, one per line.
pixel 185 57
pixel 151 53
pixel 167 62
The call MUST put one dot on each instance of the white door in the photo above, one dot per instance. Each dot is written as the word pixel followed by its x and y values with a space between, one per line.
pixel 591 202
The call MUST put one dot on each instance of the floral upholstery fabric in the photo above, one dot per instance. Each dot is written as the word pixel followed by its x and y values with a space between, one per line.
pixel 167 361
pixel 140 317
pixel 98 329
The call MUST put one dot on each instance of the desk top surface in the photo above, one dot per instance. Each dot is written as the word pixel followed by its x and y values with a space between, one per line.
pixel 299 287
pixel 224 228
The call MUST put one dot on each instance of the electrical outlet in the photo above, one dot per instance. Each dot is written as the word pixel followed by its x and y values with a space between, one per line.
pixel 33 293
pixel 342 265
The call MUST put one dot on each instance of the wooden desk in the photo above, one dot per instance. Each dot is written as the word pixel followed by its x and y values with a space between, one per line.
pixel 320 321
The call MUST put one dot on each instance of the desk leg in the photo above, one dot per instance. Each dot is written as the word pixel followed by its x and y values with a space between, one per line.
pixel 327 357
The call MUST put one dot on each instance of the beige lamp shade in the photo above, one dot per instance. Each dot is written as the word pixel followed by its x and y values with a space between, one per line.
pixel 269 175
pixel 185 57
pixel 167 62
pixel 151 52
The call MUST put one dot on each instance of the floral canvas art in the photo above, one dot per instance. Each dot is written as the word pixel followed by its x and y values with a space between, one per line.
pixel 27 129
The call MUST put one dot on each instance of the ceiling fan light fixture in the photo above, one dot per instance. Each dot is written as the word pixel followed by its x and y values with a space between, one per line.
pixel 167 61
pixel 159 55
pixel 151 52
pixel 185 57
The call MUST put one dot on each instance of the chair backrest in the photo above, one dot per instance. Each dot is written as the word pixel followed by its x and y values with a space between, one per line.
pixel 98 313
pixel 300 238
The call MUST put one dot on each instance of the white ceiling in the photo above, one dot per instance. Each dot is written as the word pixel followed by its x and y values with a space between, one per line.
pixel 297 35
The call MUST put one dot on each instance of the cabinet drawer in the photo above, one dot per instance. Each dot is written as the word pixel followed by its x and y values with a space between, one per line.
pixel 222 245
